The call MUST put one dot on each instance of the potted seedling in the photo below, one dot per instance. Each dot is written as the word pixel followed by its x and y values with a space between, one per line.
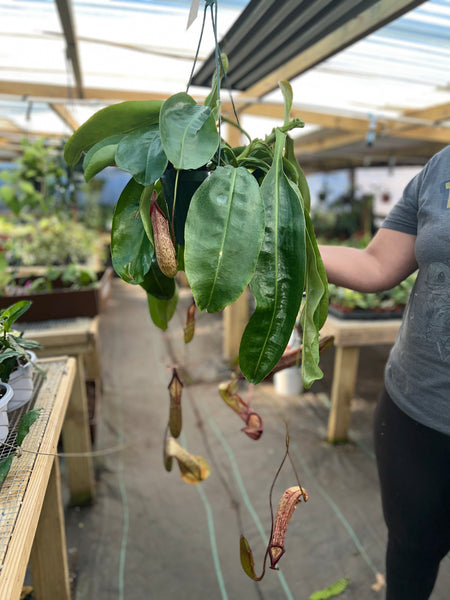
pixel 6 396
pixel 17 359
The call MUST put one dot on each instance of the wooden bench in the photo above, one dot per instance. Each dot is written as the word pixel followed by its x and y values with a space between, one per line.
pixel 31 511
pixel 349 336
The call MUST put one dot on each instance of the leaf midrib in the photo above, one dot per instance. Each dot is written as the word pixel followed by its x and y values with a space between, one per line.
pixel 225 230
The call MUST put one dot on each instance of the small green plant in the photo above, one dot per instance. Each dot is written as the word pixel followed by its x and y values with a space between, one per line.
pixel 389 300
pixel 51 240
pixel 75 277
pixel 71 276
pixel 13 346
pixel 333 590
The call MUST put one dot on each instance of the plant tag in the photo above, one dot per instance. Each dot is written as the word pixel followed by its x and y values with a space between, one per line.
pixel 193 12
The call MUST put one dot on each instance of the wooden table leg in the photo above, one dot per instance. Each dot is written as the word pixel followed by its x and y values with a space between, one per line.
pixel 342 391
pixel 92 357
pixel 76 439
pixel 49 567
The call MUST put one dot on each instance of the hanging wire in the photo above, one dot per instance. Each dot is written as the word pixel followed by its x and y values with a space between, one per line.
pixel 213 3
pixel 219 66
pixel 198 50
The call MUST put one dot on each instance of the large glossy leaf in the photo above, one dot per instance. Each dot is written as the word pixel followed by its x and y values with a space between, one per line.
pixel 157 284
pixel 223 236
pixel 161 311
pixel 144 208
pixel 141 154
pixel 315 307
pixel 300 176
pixel 117 118
pixel 131 250
pixel 100 156
pixel 188 132
pixel 185 183
pixel 280 274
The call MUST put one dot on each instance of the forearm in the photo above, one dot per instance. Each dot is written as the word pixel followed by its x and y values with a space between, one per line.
pixel 349 267
pixel 386 261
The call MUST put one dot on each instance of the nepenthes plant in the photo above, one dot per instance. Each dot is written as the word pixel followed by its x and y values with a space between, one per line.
pixel 230 217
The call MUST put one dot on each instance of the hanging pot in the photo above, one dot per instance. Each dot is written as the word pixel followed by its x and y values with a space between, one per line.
pixel 21 381
pixel 188 183
pixel 6 395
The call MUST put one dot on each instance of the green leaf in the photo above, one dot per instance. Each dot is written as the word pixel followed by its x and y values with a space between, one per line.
pixel 315 308
pixel 288 96
pixel 188 132
pixel 100 156
pixel 9 197
pixel 144 209
pixel 185 184
pixel 161 311
pixel 223 235
pixel 141 154
pixel 157 284
pixel 247 561
pixel 213 100
pixel 301 179
pixel 12 313
pixel 25 423
pixel 117 118
pixel 131 250
pixel 333 590
pixel 5 466
pixel 280 274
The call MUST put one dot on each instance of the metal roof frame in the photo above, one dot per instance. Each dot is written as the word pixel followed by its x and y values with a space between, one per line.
pixel 408 132
pixel 274 37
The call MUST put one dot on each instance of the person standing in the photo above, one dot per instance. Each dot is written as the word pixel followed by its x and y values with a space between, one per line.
pixel 412 418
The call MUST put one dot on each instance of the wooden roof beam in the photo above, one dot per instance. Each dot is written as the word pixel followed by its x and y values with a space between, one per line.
pixel 65 116
pixel 432 133
pixel 68 25
pixel 48 91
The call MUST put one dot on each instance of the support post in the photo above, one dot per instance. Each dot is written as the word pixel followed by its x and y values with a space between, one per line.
pixel 342 392
pixel 76 439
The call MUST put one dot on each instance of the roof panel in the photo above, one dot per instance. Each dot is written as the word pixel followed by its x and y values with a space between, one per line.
pixel 141 48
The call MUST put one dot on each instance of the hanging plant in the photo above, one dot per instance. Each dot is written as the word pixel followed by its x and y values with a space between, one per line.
pixel 247 223
pixel 230 217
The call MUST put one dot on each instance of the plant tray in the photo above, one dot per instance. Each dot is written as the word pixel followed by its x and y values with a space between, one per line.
pixel 64 303
pixel 359 313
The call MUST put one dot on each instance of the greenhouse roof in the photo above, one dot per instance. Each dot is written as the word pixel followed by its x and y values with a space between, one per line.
pixel 371 78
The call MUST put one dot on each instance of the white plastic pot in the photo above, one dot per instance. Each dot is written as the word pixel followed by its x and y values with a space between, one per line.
pixel 288 382
pixel 8 394
pixel 21 381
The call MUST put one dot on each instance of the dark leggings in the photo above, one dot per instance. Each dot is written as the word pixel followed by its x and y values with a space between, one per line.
pixel 414 470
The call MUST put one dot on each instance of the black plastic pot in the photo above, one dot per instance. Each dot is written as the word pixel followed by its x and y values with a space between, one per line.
pixel 188 183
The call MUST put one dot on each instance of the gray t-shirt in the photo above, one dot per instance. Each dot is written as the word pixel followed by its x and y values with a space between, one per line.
pixel 417 374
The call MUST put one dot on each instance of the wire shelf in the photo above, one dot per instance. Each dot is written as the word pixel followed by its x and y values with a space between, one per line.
pixel 14 486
